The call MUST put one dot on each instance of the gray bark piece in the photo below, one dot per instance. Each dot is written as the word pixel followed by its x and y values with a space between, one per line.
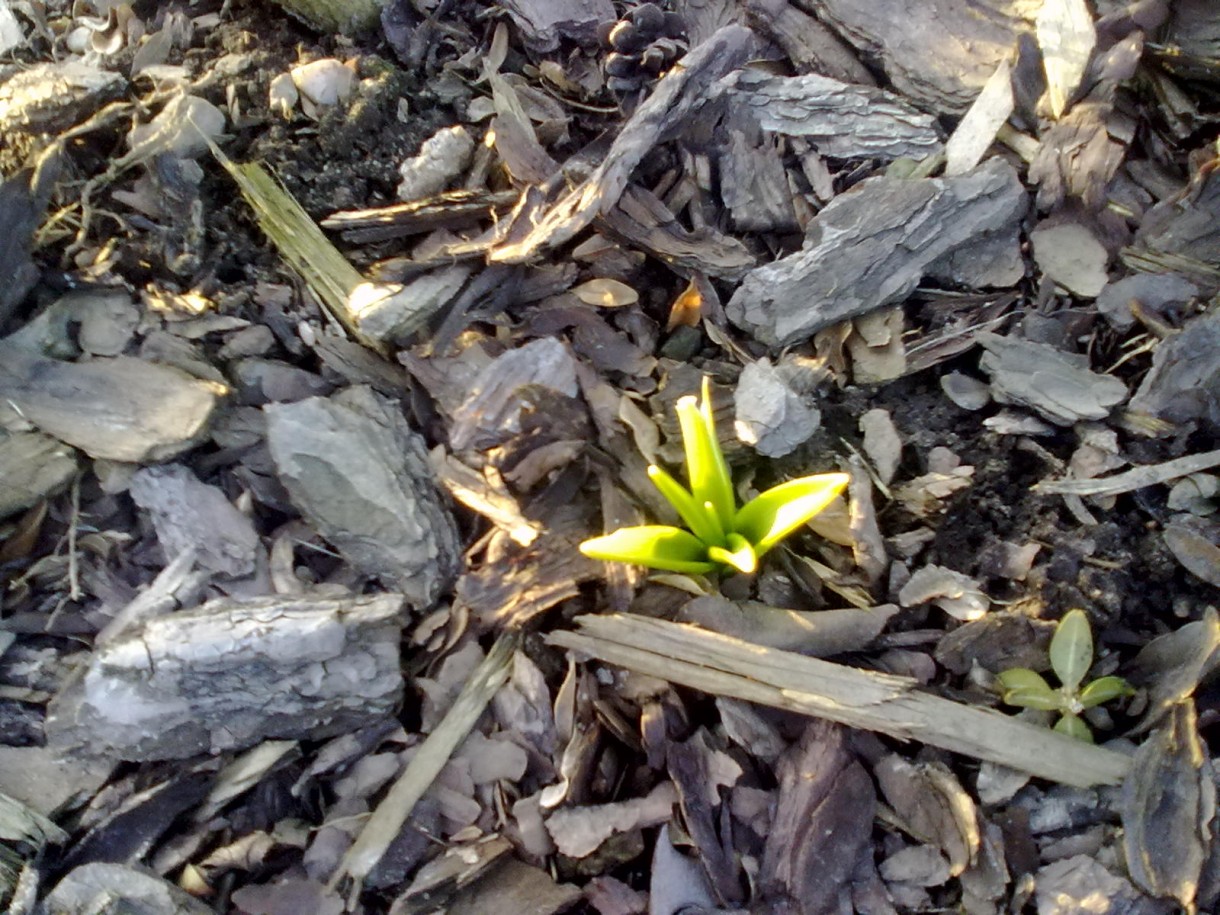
pixel 938 54
pixel 361 476
pixel 841 120
pixel 993 259
pixel 32 467
pixel 770 415
pixel 677 99
pixel 544 22
pixel 1153 291
pixel 395 315
pixel 49 98
pixel 754 185
pixel 871 246
pixel 492 411
pixel 189 514
pixel 230 674
pixel 1184 383
pixel 1055 384
pixel 101 886
pixel 121 409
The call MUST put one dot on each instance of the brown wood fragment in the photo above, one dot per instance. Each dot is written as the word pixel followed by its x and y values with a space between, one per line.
pixel 754 184
pixel 1169 800
pixel 823 823
pixel 939 55
pixel 677 98
pixel 32 467
pixel 450 210
pixel 641 219
pixel 191 515
pixel 810 45
pixel 892 705
pixel 544 22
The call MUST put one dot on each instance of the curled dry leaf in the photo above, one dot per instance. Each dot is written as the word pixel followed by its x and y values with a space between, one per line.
pixel 606 293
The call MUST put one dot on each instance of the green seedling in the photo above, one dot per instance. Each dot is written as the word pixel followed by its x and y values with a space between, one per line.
pixel 718 534
pixel 1071 655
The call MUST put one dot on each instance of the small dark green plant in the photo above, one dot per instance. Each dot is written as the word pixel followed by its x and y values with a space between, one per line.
pixel 1071 656
pixel 720 535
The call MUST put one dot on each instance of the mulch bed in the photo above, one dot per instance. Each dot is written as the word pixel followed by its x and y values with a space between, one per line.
pixel 325 343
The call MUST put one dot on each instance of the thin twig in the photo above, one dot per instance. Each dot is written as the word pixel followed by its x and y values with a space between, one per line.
pixel 1137 478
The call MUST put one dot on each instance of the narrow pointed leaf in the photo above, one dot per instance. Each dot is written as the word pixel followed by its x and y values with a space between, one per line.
pixel 1103 689
pixel 703 523
pixel 740 555
pixel 657 546
pixel 705 464
pixel 1028 689
pixel 1071 649
pixel 771 516
pixel 1074 726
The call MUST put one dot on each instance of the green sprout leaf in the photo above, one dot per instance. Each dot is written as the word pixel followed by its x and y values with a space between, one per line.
pixel 1103 689
pixel 1071 655
pixel 1074 726
pixel 657 546
pixel 703 522
pixel 720 536
pixel 771 516
pixel 705 464
pixel 1028 689
pixel 1072 649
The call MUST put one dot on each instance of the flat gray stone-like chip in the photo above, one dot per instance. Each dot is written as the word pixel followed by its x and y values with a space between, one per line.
pixel 871 246
pixel 361 477
pixel 1056 385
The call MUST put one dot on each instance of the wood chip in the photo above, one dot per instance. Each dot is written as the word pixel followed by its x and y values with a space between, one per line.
pixel 231 673
pixel 1169 800
pixel 361 476
pixel 120 409
pixel 861 253
pixel 840 120
pixel 893 705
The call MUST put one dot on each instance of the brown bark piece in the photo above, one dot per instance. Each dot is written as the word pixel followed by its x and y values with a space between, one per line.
pixel 823 823
pixel 1169 800
pixel 754 185
pixel 810 45
pixel 932 807
pixel 677 99
pixel 232 673
pixel 361 476
pixel 939 55
pixel 870 247
pixel 120 409
pixel 642 219
pixel 841 120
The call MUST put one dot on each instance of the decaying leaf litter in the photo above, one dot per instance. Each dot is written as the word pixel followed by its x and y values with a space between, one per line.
pixel 294 616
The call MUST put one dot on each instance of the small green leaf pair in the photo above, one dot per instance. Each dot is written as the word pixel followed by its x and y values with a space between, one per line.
pixel 1071 655
pixel 720 535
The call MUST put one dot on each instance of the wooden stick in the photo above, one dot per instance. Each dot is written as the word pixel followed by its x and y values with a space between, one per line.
pixel 392 813
pixel 725 666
